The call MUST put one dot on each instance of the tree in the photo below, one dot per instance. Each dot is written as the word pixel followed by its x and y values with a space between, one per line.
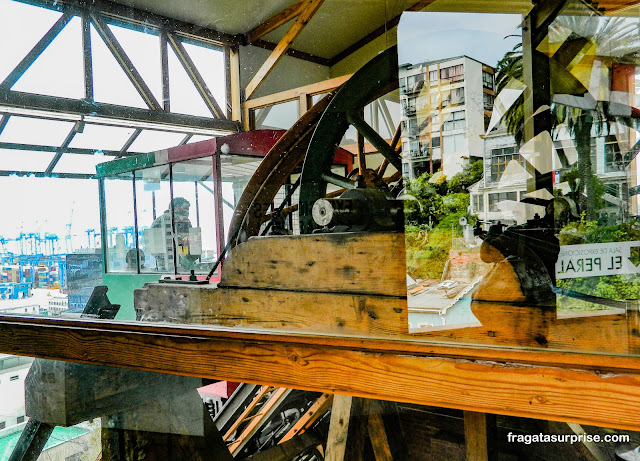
pixel 616 41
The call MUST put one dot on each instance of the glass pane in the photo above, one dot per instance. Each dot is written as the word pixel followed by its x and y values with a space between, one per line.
pixel 110 83
pixel 23 26
pixel 143 49
pixel 151 141
pixel 64 55
pixel 101 137
pixel 442 92
pixel 153 198
pixel 20 160
pixel 278 116
pixel 185 99
pixel 194 216
pixel 26 130
pixel 210 64
pixel 80 163
pixel 120 222
pixel 236 171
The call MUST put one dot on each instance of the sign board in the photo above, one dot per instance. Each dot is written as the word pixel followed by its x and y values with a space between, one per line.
pixel 596 259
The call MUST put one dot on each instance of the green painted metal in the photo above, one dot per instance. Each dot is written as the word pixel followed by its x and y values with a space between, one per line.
pixel 125 165
pixel 375 79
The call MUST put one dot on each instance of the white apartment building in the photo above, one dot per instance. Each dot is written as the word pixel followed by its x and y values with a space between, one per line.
pixel 446 107
pixel 505 178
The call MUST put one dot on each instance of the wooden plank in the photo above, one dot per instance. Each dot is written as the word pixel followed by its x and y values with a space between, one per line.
pixel 347 429
pixel 310 8
pixel 288 95
pixel 479 435
pixel 315 411
pixel 276 21
pixel 370 263
pixel 371 368
pixel 234 77
pixel 275 309
pixel 378 437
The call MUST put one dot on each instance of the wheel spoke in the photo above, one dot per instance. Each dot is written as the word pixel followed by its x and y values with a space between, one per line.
pixel 339 181
pixel 375 139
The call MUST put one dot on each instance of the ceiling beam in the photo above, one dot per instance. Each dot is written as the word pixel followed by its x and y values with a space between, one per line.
pixel 5 173
pixel 311 6
pixel 276 21
pixel 141 18
pixel 294 53
pixel 56 108
pixel 68 150
pixel 377 33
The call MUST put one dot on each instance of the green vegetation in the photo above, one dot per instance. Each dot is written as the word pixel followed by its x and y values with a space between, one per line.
pixel 432 218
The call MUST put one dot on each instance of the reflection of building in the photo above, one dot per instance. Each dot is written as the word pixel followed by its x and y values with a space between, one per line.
pixel 446 106
pixel 505 177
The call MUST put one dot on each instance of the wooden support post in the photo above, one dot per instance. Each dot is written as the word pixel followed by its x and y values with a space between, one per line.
pixel 235 91
pixel 347 429
pixel 32 440
pixel 276 21
pixel 311 6
pixel 480 436
pixel 385 431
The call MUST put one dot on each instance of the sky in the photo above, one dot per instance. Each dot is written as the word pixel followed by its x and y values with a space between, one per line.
pixel 429 36
pixel 39 205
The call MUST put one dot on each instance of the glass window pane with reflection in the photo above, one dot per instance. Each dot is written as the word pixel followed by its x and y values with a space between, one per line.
pixel 194 215
pixel 153 199
pixel 120 223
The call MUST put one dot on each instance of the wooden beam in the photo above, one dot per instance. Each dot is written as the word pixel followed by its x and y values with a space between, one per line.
pixel 480 436
pixel 234 86
pixel 288 95
pixel 377 33
pixel 294 53
pixel 276 21
pixel 347 429
pixel 310 8
pixel 348 365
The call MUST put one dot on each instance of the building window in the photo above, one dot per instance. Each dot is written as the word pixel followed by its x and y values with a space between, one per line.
pixel 3 424
pixel 478 202
pixel 415 83
pixel 487 80
pixel 14 378
pixel 20 420
pixel 487 101
pixel 452 74
pixel 435 142
pixel 410 127
pixel 433 76
pixel 500 158
pixel 454 143
pixel 454 121
pixel 494 199
pixel 409 106
pixel 452 97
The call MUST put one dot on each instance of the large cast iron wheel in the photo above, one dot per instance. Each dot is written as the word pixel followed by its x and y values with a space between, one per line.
pixel 377 78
